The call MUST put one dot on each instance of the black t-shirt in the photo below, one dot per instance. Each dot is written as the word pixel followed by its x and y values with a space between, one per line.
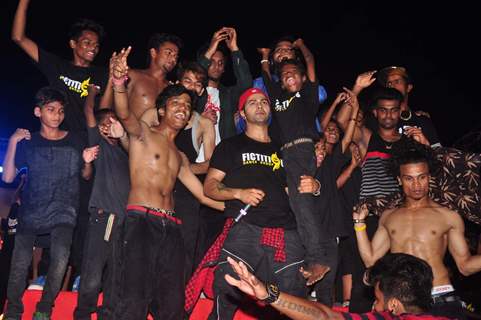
pixel 329 202
pixel 422 122
pixel 74 81
pixel 295 113
pixel 112 182
pixel 51 195
pixel 251 164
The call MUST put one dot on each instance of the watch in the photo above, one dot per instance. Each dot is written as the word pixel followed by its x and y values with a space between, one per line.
pixel 272 293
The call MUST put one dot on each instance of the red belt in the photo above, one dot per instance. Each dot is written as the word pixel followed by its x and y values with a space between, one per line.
pixel 163 213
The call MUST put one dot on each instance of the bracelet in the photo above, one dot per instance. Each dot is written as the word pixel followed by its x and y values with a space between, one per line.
pixel 273 293
pixel 318 191
pixel 361 228
pixel 264 61
pixel 359 220
pixel 118 91
pixel 119 82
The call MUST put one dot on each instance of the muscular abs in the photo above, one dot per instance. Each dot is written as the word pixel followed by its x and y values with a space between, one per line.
pixel 154 165
pixel 421 233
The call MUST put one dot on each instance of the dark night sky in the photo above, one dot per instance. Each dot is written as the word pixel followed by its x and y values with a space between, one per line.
pixel 437 45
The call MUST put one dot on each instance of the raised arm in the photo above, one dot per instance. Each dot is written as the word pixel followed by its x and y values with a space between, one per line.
pixel 18 31
pixel 381 243
pixel 264 52
pixel 187 177
pixel 9 168
pixel 89 105
pixel 214 188
pixel 467 263
pixel 351 127
pixel 326 117
pixel 118 73
pixel 240 66
pixel 308 57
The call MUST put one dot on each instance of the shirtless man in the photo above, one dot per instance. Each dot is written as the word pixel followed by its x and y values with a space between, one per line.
pixel 419 227
pixel 153 253
pixel 145 85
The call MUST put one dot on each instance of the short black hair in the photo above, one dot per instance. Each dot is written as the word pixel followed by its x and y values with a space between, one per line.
pixel 293 62
pixel 406 151
pixel 404 277
pixel 384 93
pixel 157 39
pixel 82 25
pixel 173 90
pixel 101 114
pixel 49 94
pixel 196 68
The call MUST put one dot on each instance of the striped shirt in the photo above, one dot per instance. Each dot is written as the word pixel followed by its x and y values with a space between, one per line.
pixel 376 176
pixel 389 316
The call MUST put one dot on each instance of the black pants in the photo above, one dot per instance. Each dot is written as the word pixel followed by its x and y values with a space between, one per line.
pixel 325 288
pixel 242 244
pixel 188 208
pixel 152 271
pixel 447 305
pixel 60 241
pixel 300 160
pixel 99 255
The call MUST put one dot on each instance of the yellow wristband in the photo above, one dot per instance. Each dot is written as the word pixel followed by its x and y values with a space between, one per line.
pixel 360 228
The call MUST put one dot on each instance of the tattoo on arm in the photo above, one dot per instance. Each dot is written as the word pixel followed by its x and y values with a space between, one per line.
pixel 302 309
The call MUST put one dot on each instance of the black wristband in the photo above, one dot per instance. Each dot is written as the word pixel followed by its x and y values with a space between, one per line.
pixel 272 293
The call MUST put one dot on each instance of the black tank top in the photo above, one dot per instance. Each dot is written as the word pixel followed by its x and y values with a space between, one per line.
pixel 183 141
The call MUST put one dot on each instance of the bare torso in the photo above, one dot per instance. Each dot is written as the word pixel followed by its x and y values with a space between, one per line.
pixel 423 233
pixel 154 166
pixel 143 90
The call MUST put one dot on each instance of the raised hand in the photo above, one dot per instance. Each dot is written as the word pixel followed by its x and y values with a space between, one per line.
pixel 93 90
pixel 417 134
pixel 219 35
pixel 231 40
pixel 360 212
pixel 364 80
pixel 90 154
pixel 118 65
pixel 20 134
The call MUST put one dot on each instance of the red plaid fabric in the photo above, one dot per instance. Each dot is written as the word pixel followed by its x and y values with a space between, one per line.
pixel 203 277
pixel 274 237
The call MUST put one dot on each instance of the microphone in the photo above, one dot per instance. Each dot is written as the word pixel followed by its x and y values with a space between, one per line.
pixel 242 213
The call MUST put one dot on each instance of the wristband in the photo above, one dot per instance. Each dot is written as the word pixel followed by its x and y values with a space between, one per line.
pixel 360 228
pixel 272 293
pixel 264 61
pixel 318 191
pixel 359 220
pixel 119 82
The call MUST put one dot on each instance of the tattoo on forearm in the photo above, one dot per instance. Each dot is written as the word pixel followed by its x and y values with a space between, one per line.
pixel 306 310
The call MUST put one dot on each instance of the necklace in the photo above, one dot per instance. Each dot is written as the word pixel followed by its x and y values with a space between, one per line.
pixel 405 117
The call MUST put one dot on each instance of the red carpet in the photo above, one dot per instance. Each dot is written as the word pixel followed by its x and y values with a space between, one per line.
pixel 66 302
